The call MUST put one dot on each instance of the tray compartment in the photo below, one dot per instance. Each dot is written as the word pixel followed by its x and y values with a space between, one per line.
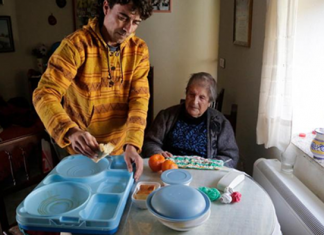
pixel 118 162
pixel 53 179
pixel 77 166
pixel 101 207
pixel 116 182
pixel 56 199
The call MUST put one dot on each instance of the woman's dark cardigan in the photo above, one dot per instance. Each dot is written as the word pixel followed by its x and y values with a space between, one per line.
pixel 221 143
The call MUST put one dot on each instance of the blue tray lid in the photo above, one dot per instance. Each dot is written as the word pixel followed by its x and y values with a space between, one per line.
pixel 176 176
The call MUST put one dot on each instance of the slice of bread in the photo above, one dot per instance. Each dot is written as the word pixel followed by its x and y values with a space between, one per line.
pixel 144 191
pixel 105 150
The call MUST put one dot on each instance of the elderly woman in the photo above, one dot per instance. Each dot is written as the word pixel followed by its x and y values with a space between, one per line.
pixel 193 128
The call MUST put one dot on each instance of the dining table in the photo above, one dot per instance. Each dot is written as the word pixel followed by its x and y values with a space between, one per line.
pixel 253 214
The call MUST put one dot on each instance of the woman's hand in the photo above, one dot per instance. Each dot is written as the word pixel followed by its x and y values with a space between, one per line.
pixel 130 156
pixel 166 154
pixel 83 142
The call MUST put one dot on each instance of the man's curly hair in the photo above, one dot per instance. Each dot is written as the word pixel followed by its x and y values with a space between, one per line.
pixel 144 7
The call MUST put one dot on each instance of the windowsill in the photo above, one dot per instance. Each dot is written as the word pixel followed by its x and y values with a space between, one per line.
pixel 304 143
pixel 307 169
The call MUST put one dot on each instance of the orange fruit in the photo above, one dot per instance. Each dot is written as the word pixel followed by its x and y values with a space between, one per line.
pixel 169 164
pixel 155 162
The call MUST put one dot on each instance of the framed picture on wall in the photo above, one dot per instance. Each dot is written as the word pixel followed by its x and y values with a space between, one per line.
pixel 242 22
pixel 83 10
pixel 6 38
pixel 161 5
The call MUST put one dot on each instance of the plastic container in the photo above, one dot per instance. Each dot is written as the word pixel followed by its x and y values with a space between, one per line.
pixel 178 202
pixel 176 176
pixel 141 203
pixel 182 214
pixel 78 196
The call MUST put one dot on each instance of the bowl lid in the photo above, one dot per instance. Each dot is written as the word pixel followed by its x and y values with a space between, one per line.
pixel 176 176
pixel 178 202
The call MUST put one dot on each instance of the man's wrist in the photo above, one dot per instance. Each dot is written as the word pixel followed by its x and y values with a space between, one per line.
pixel 71 131
pixel 130 147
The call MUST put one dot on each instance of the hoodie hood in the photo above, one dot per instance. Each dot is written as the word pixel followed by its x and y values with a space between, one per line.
pixel 93 27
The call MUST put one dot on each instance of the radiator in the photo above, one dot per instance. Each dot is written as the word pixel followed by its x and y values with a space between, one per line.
pixel 299 211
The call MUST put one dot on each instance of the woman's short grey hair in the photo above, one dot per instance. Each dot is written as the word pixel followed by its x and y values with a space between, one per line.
pixel 210 85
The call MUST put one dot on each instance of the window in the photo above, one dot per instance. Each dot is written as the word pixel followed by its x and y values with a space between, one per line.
pixel 308 88
pixel 292 71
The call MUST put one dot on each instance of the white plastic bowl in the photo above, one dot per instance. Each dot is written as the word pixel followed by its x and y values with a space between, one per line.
pixel 180 223
pixel 142 203
pixel 187 225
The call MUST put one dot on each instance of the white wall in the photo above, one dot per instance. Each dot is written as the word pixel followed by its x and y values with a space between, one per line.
pixel 241 79
pixel 30 27
pixel 182 42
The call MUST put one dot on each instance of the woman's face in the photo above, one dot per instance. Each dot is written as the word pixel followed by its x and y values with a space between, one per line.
pixel 197 99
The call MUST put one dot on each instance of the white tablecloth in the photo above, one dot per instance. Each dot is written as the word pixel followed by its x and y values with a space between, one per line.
pixel 254 214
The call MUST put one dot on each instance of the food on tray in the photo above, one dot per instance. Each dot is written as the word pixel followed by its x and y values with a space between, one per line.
pixel 144 191
pixel 105 150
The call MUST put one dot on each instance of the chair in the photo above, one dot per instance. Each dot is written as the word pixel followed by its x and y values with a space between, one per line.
pixel 232 116
pixel 219 100
pixel 150 112
pixel 22 163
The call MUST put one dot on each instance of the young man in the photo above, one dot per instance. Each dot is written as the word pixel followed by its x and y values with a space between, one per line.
pixel 101 71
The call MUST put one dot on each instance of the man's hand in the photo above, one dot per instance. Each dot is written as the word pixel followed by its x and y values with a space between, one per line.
pixel 83 142
pixel 130 156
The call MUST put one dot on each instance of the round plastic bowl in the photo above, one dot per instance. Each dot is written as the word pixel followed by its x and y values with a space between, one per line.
pixel 179 202
pixel 186 225
pixel 56 198
pixel 77 166
pixel 176 176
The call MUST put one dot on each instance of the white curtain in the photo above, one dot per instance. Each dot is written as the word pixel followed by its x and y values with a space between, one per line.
pixel 274 126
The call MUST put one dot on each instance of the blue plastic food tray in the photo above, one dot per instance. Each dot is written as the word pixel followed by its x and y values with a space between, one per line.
pixel 78 196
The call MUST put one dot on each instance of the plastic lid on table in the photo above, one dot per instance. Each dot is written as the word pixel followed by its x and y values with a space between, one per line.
pixel 179 202
pixel 176 176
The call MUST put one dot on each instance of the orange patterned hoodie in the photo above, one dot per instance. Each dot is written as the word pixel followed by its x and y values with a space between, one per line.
pixel 105 93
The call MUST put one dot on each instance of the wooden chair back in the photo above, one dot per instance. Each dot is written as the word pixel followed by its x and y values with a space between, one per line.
pixel 219 100
pixel 150 112
pixel 23 158
pixel 232 117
